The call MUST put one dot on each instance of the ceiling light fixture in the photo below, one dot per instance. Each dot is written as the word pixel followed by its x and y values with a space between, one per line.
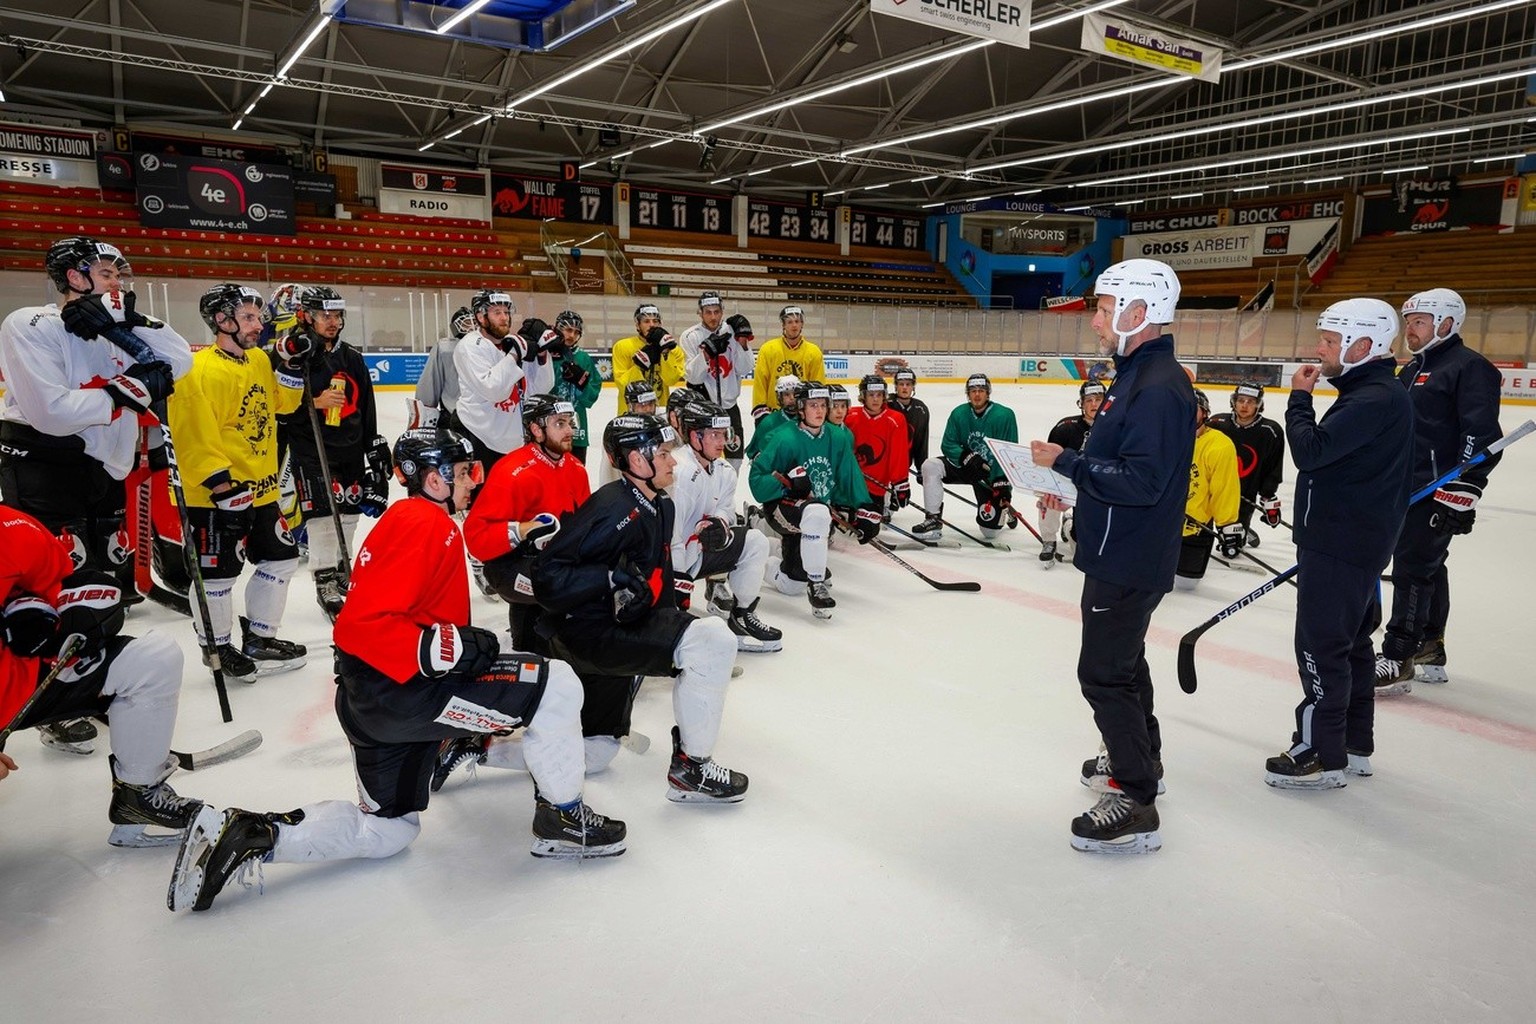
pixel 1356 37
pixel 460 15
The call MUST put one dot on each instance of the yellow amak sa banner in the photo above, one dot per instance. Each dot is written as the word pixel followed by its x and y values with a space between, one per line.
pixel 1150 47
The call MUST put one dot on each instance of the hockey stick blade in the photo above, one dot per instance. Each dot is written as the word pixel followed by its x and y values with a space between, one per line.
pixel 964 586
pixel 168 598
pixel 1186 667
pixel 227 751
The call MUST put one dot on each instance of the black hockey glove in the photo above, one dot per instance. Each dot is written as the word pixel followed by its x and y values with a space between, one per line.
pixel 1002 494
pixel 537 337
pixel 140 386
pixel 866 524
pixel 1455 508
pixel 91 608
pixel 714 533
pixel 1230 538
pixel 91 316
pixel 28 626
pixel 632 594
pixel 682 590
pixel 797 483
pixel 294 347
pixel 574 374
pixel 1269 508
pixel 465 649
pixel 758 412
pixel 741 327
pixel 974 468
pixel 717 343
pixel 901 494
pixel 377 467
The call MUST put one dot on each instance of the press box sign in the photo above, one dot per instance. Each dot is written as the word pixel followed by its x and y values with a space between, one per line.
pixel 1006 21
pixel 52 156
pixel 434 192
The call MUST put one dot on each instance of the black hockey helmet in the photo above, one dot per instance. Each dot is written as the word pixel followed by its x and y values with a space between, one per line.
pixel 680 399
pixel 538 408
pixel 227 299
pixel 704 415
pixel 417 451
pixel 638 391
pixel 462 323
pixel 809 389
pixel 482 301
pixel 838 393
pixel 1253 391
pixel 1203 402
pixel 1089 387
pixel 636 432
pixel 321 298
pixel 789 311
pixel 979 380
pixel 907 374
pixel 79 252
pixel 569 318
pixel 871 382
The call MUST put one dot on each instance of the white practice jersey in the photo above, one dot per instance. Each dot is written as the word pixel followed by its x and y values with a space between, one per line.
pixel 53 382
pixel 491 388
pixel 697 491
pixel 721 375
pixel 542 375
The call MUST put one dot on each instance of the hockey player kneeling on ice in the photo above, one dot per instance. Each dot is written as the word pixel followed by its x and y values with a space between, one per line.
pixel 965 458
pixel 1210 513
pixel 705 538
pixel 611 609
pixel 412 672
pixel 132 683
pixel 800 473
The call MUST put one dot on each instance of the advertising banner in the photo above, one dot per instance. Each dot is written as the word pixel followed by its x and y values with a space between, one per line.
pixel 1440 204
pixel 529 197
pixel 1006 21
pixel 1236 246
pixel 214 195
pixel 1150 47
pixel 680 211
pixel 434 192
pixel 48 156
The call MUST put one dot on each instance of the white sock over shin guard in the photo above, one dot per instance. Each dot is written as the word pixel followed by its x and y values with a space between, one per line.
pixel 932 473
pixel 341 830
pixel 552 744
pixel 747 578
pixel 704 656
pixel 221 610
pixel 266 595
pixel 144 681
pixel 815 524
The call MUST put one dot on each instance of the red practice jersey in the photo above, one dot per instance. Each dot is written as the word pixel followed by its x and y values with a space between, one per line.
pixel 881 445
pixel 408 575
pixel 521 485
pixel 33 562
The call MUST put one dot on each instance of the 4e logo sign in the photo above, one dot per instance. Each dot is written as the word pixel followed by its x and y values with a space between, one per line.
pixel 215 190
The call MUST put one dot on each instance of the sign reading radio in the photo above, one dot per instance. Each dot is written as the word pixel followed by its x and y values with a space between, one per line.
pixel 786 222
pixel 679 211
pixel 434 192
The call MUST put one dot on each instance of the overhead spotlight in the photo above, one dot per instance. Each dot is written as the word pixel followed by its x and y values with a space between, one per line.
pixel 845 43
pixel 707 154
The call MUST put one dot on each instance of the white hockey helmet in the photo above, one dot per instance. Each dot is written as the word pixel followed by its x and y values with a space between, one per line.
pixel 1148 281
pixel 788 382
pixel 1353 319
pixel 1441 304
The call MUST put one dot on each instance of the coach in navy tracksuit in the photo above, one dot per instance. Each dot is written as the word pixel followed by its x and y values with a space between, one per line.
pixel 1132 482
pixel 1455 396
pixel 1351 493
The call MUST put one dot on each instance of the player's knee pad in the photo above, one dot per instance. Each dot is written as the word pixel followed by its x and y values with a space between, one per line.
pixel 706 651
pixel 389 835
pixel 600 750
pixel 146 670
pixel 989 516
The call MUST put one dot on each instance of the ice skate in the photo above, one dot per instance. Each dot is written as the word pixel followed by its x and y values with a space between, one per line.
pixel 477 569
pixel 237 668
pixel 752 633
pixel 930 529
pixel 330 592
pixel 719 599
pixel 457 753
pixel 221 845
pixel 1096 773
pixel 575 832
pixel 1393 677
pixel 821 599
pixel 1048 558
pixel 136 809
pixel 1117 824
pixel 702 781
pixel 1429 662
pixel 72 735
pixel 270 654
pixel 1285 771
pixel 1251 540
pixel 1359 764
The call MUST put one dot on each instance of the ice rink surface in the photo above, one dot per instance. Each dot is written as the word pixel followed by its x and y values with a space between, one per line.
pixel 902 854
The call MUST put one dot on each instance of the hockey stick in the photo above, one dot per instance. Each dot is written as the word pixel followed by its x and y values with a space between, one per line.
pixel 1186 666
pixel 995 545
pixel 1259 562
pixel 886 521
pixel 130 343
pixel 65 656
pixel 1260 510
pixel 1012 514
pixel 325 474
pixel 965 586
pixel 230 749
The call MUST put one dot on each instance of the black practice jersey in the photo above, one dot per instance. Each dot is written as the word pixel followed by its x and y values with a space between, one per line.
pixel 917 427
pixel 1260 453
pixel 1071 432
pixel 617 527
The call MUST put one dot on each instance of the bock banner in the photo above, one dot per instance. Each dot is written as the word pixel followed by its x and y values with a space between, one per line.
pixel 178 191
pixel 1150 47
pixel 1005 21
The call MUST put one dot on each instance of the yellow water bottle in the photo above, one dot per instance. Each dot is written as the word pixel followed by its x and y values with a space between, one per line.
pixel 333 416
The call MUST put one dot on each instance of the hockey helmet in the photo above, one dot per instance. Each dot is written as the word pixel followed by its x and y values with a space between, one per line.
pixel 789 382
pixel 1440 304
pixel 1151 282
pixel 1204 404
pixel 647 309
pixel 569 318
pixel 636 432
pixel 1089 387
pixel 639 392
pixel 538 408
pixel 905 375
pixel 428 448
pixel 481 302
pixel 838 393
pixel 283 307
pixel 871 382
pixel 462 323
pixel 705 415
pixel 1245 390
pixel 1354 319
pixel 81 253
pixel 710 298
pixel 791 311
pixel 227 298
pixel 979 380
pixel 807 390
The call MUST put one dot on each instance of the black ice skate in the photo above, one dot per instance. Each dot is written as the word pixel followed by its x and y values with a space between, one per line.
pixel 330 592
pixel 237 668
pixel 1097 773
pixel 221 845
pixel 577 832
pixel 704 781
pixel 455 754
pixel 72 735
pixel 719 599
pixel 135 809
pixel 1302 771
pixel 821 599
pixel 1117 824
pixel 1251 540
pixel 752 633
pixel 270 654
pixel 1048 556
pixel 1393 677
pixel 1429 662
pixel 930 529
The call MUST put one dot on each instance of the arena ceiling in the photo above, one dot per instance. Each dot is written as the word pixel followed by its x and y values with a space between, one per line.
pixel 1313 93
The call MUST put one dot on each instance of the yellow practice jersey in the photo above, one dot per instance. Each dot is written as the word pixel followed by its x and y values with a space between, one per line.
pixel 1213 486
pixel 662 379
pixel 224 421
pixel 776 359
